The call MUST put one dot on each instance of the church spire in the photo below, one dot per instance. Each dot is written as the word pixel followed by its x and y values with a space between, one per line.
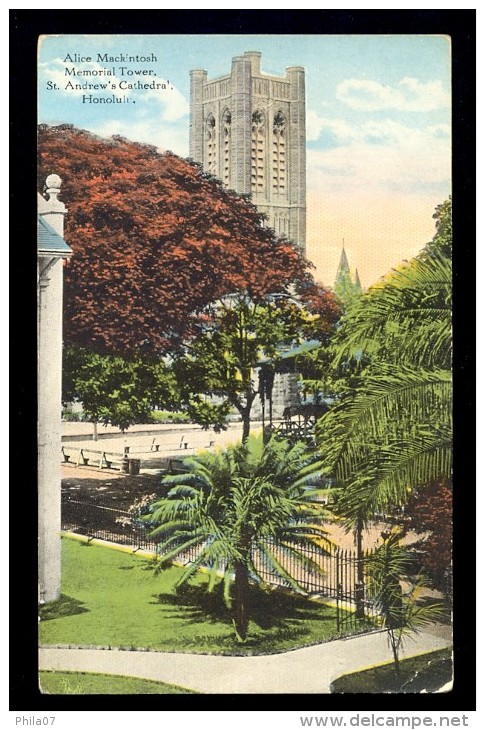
pixel 357 284
pixel 343 267
pixel 346 287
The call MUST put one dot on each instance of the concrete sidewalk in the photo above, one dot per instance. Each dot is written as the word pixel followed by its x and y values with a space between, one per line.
pixel 83 431
pixel 303 671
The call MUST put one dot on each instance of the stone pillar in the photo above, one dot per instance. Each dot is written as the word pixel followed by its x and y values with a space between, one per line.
pixel 297 155
pixel 241 125
pixel 49 371
pixel 198 77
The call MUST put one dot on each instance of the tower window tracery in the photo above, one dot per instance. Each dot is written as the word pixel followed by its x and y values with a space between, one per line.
pixel 211 144
pixel 279 153
pixel 226 145
pixel 258 152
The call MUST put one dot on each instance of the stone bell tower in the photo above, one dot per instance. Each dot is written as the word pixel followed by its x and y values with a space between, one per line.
pixel 248 129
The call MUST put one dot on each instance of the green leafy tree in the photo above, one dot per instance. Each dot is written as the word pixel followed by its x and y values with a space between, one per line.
pixel 241 506
pixel 401 612
pixel 236 333
pixel 390 432
pixel 444 226
pixel 116 390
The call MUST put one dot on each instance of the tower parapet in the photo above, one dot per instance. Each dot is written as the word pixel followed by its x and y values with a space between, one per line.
pixel 248 129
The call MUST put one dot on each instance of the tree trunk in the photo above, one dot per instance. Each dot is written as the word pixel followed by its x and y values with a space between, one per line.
pixel 246 423
pixel 95 430
pixel 395 654
pixel 246 412
pixel 241 587
pixel 359 587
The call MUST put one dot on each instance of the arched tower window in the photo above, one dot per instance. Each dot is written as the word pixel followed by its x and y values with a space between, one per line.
pixel 281 224
pixel 257 152
pixel 211 145
pixel 279 153
pixel 226 147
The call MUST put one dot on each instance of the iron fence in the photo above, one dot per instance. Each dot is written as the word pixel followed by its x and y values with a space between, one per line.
pixel 338 575
pixel 106 523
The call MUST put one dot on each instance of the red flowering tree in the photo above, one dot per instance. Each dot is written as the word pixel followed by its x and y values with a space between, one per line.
pixel 154 240
pixel 430 510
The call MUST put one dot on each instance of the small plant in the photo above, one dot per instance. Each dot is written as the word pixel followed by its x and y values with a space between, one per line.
pixel 168 417
pixel 141 506
pixel 401 613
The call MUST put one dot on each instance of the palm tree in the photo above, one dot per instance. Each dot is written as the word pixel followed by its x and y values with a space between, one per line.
pixel 392 431
pixel 401 612
pixel 405 316
pixel 243 508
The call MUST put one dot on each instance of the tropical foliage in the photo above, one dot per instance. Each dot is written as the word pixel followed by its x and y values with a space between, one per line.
pixel 390 432
pixel 237 333
pixel 155 242
pixel 429 512
pixel 242 508
pixel 402 613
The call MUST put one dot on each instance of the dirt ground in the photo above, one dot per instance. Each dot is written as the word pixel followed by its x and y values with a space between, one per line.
pixel 107 488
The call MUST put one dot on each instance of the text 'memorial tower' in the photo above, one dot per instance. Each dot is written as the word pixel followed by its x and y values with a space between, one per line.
pixel 248 129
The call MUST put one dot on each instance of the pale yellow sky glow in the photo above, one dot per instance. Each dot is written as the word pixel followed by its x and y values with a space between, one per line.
pixel 379 232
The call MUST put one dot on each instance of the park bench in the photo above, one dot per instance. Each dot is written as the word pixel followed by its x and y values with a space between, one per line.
pixel 68 456
pixel 176 466
pixel 104 459
pixel 141 449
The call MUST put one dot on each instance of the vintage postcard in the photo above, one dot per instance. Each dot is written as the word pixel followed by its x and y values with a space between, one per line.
pixel 244 310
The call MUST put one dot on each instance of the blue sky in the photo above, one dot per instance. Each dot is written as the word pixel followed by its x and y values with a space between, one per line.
pixel 378 124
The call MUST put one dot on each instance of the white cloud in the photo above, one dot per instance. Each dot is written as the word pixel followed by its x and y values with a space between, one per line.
pixel 382 156
pixel 383 131
pixel 409 95
pixel 149 131
pixel 314 126
pixel 175 104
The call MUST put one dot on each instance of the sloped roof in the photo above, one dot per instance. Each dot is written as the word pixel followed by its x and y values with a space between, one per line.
pixel 292 352
pixel 305 346
pixel 49 241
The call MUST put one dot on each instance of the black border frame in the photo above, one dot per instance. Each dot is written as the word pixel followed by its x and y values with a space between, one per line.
pixel 25 27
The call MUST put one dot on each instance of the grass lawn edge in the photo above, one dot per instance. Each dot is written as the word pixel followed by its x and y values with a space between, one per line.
pixel 148 555
pixel 118 678
pixel 389 663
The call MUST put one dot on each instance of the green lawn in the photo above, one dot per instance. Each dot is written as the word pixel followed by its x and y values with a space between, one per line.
pixel 81 683
pixel 112 598
pixel 428 671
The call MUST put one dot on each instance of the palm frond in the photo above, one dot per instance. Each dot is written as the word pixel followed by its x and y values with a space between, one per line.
pixel 168 556
pixel 384 480
pixel 276 566
pixel 410 307
pixel 394 404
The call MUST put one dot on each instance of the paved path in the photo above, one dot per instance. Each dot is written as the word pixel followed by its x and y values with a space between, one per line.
pixel 173 440
pixel 303 671
pixel 82 431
